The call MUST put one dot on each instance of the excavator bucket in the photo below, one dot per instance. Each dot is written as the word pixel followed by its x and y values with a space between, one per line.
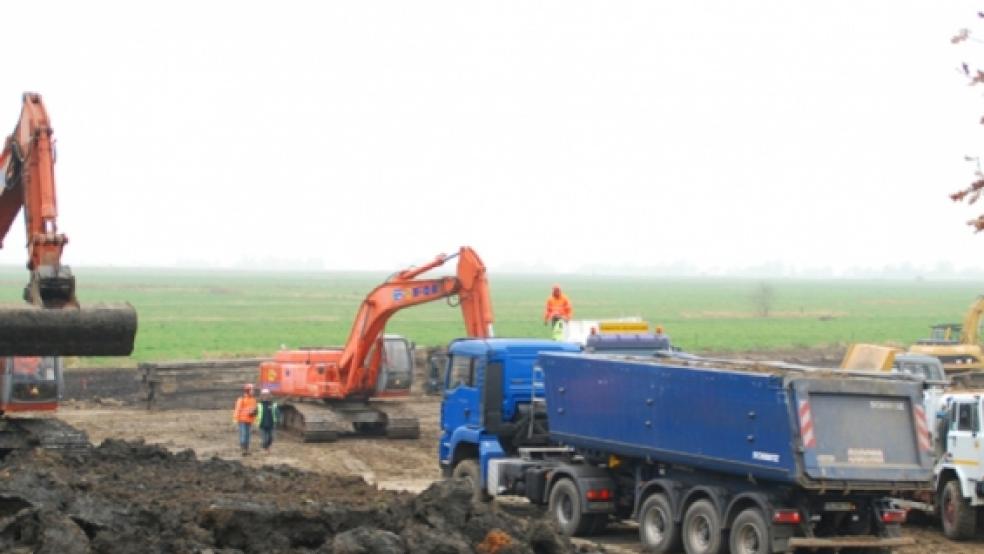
pixel 91 330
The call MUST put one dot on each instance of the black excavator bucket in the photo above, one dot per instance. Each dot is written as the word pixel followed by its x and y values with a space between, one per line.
pixel 91 330
pixel 53 286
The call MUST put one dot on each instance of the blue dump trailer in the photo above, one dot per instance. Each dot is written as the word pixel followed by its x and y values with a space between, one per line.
pixel 707 455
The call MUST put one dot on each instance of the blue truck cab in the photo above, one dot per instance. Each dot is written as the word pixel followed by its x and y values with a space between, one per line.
pixel 479 422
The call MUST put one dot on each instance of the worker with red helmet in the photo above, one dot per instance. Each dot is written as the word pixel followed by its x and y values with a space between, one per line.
pixel 558 311
pixel 244 415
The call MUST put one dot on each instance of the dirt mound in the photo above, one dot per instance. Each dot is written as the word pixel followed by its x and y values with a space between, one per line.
pixel 133 497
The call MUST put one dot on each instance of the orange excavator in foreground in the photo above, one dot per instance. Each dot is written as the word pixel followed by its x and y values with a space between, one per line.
pixel 346 389
pixel 52 323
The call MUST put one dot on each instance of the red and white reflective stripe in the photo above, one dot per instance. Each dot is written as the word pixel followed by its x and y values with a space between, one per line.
pixel 806 425
pixel 922 431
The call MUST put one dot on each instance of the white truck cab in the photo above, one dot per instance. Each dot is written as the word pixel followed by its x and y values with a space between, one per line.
pixel 959 472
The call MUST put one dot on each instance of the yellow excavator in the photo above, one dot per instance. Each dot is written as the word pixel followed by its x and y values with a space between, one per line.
pixel 956 345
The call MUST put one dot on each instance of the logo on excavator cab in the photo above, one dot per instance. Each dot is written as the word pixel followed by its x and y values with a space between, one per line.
pixel 271 375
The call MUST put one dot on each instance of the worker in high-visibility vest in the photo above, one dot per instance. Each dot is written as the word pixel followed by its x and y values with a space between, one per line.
pixel 267 419
pixel 244 415
pixel 557 312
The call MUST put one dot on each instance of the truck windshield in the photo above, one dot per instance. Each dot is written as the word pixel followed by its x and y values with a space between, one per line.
pixel 967 417
pixel 462 372
pixel 926 371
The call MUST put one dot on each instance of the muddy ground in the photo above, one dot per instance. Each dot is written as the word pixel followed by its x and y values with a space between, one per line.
pixel 392 464
pixel 325 474
pixel 125 497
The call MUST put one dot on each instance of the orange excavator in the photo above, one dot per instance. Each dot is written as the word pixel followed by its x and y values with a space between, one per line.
pixel 52 323
pixel 349 390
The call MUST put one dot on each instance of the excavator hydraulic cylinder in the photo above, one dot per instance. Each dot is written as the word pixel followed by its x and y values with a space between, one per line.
pixel 91 330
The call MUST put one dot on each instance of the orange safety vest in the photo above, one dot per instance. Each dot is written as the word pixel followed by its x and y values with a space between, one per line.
pixel 245 411
pixel 559 306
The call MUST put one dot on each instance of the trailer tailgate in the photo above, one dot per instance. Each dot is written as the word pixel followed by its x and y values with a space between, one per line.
pixel 862 429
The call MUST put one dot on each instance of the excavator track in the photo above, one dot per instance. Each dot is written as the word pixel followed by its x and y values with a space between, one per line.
pixel 327 422
pixel 47 433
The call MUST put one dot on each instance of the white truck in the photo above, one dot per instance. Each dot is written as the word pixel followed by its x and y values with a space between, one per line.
pixel 959 472
pixel 954 415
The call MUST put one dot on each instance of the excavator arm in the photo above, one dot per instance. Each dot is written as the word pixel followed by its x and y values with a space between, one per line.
pixel 28 161
pixel 54 324
pixel 972 322
pixel 404 290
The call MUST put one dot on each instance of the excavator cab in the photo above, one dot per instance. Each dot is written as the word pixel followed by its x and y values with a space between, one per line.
pixel 396 371
pixel 944 333
pixel 30 383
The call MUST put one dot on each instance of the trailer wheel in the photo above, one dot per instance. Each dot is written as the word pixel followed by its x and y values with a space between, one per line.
pixel 959 517
pixel 566 510
pixel 750 533
pixel 657 530
pixel 468 469
pixel 702 529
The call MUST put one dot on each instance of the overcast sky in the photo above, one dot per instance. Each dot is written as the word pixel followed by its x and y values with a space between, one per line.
pixel 548 135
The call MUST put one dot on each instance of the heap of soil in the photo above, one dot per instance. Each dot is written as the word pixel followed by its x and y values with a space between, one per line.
pixel 133 497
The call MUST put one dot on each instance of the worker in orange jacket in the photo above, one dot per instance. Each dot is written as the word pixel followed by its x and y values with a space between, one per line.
pixel 557 312
pixel 244 415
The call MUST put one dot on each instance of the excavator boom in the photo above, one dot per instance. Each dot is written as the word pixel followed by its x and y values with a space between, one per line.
pixel 53 323
pixel 404 290
pixel 972 322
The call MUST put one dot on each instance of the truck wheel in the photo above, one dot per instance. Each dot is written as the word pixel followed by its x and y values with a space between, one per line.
pixel 959 518
pixel 565 508
pixel 657 531
pixel 702 529
pixel 468 470
pixel 750 533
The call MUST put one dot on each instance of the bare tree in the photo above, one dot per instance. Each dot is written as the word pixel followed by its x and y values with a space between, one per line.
pixel 974 76
pixel 762 298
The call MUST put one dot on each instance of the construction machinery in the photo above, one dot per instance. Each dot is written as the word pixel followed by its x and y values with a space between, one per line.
pixel 876 357
pixel 957 346
pixel 351 389
pixel 52 323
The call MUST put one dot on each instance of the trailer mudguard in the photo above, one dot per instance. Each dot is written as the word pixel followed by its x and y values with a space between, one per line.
pixel 717 495
pixel 669 487
pixel 740 501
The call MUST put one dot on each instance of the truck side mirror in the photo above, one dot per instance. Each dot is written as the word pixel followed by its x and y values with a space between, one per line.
pixel 437 362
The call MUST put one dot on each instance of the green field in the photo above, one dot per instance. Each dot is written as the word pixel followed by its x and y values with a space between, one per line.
pixel 194 314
